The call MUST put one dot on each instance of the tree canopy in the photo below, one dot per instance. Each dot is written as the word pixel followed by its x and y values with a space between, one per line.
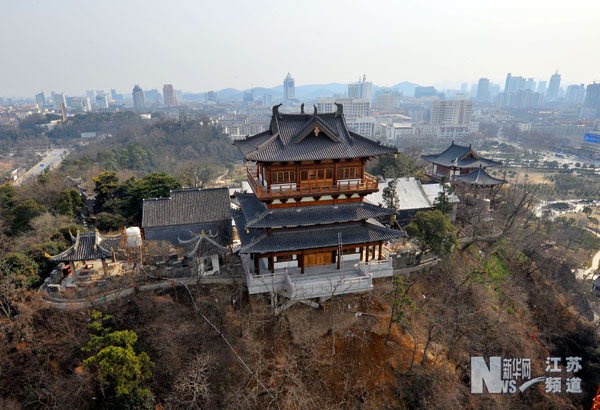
pixel 433 232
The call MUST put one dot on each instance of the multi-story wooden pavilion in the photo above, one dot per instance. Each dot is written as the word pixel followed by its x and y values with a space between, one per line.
pixel 306 209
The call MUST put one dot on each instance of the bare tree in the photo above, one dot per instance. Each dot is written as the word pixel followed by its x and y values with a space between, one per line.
pixel 192 386
pixel 196 176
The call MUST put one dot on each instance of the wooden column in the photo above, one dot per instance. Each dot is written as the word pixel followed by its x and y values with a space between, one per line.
pixel 367 249
pixel 362 170
pixel 361 253
pixel 380 250
pixel 271 264
pixel 339 258
pixel 256 265
pixel 301 262
pixel 335 170
pixel 268 177
pixel 104 266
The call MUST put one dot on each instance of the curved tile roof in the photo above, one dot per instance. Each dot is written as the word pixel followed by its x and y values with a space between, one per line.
pixel 89 246
pixel 291 137
pixel 258 216
pixel 454 156
pixel 479 178
pixel 319 237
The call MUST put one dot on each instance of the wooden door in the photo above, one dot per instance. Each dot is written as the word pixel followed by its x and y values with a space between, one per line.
pixel 316 259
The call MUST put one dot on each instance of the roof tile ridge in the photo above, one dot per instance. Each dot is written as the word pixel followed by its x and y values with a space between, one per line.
pixel 423 192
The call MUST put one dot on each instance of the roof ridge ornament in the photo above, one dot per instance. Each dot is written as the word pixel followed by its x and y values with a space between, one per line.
pixel 315 112
pixel 276 112
pixel 302 108
pixel 340 109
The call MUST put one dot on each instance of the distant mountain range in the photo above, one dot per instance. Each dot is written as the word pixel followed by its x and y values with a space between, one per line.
pixel 303 92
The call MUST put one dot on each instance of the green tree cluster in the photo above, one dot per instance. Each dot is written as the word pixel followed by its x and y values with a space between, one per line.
pixel 70 203
pixel 120 369
pixel 125 199
pixel 17 212
pixel 433 232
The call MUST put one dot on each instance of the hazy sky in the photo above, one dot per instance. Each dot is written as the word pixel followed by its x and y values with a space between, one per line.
pixel 74 45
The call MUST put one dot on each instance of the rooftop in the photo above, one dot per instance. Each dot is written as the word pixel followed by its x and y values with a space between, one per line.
pixel 186 207
pixel 411 194
pixel 309 137
pixel 460 156
pixel 89 246
pixel 479 178
pixel 258 216
pixel 316 237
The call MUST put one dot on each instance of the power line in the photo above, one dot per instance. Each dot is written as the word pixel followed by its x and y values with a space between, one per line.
pixel 222 335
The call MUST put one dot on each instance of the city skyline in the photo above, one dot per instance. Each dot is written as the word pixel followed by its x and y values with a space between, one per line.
pixel 443 39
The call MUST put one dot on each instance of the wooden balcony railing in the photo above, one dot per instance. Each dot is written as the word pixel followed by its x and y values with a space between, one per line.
pixel 369 183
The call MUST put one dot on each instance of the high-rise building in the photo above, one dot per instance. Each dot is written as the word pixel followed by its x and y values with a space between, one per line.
pixel 90 94
pixel 40 99
pixel 514 84
pixel 101 101
pixel 386 101
pixel 421 92
pixel 138 97
pixel 591 104
pixel 483 90
pixel 352 107
pixel 115 96
pixel 211 96
pixel 541 87
pixel 248 97
pixel 530 85
pixel 267 100
pixel 57 99
pixel 553 86
pixel 289 89
pixel 361 89
pixel 169 95
pixel 575 94
pixel 79 104
pixel 451 113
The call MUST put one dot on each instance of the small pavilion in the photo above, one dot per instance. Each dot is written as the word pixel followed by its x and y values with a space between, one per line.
pixel 89 246
pixel 457 160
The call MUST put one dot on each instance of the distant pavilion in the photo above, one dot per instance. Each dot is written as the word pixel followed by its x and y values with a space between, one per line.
pixel 460 163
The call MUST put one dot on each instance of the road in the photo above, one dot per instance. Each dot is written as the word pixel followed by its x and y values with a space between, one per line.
pixel 52 158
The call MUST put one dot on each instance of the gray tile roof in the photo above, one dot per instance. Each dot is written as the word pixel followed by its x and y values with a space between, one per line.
pixel 319 237
pixel 186 207
pixel 479 178
pixel 454 156
pixel 202 245
pixel 291 138
pixel 89 246
pixel 246 235
pixel 261 217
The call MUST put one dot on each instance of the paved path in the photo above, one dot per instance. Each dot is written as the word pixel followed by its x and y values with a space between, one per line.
pixel 220 177
pixel 52 158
